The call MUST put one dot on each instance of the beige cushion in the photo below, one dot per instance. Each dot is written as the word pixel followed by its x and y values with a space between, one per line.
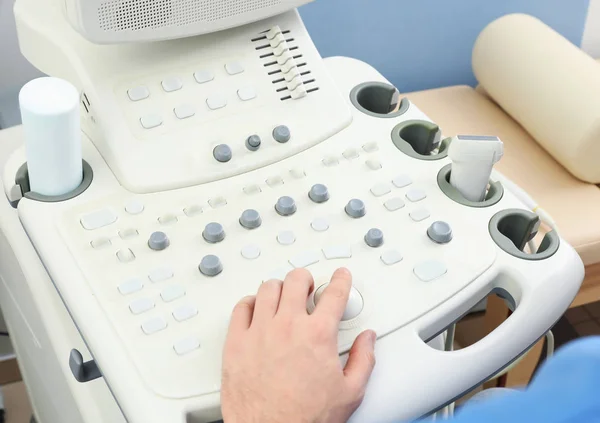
pixel 573 204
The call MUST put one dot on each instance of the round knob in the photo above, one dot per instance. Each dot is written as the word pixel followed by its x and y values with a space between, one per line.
pixel 440 232
pixel 286 206
pixel 355 208
pixel 374 238
pixel 210 265
pixel 253 142
pixel 213 233
pixel 158 241
pixel 222 153
pixel 319 193
pixel 250 219
pixel 282 134
pixel 353 307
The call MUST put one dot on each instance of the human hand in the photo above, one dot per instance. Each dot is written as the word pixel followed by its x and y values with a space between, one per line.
pixel 281 364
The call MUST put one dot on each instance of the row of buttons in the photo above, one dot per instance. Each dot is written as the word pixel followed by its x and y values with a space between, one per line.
pixel 171 84
pixel 223 153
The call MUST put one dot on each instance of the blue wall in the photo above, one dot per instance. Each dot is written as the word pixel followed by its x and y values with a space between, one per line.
pixel 420 44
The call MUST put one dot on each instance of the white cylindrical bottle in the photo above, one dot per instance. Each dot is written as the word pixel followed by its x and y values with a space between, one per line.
pixel 50 116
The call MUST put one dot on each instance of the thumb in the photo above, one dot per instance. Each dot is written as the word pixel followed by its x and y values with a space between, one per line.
pixel 361 362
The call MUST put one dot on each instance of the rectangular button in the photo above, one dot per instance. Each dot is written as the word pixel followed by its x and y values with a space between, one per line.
pixel 217 202
pixel 186 346
pixel 419 214
pixel 274 181
pixel 337 252
pixel 171 293
pixel 350 153
pixel 141 305
pixel 138 93
pixel 184 313
pixel 184 111
pixel 305 259
pixel 154 325
pixel 402 181
pixel 160 274
pixel 131 286
pixel 391 257
pixel 101 243
pixel 370 147
pixel 394 204
pixel 98 219
pixel 415 195
pixel 234 68
pixel 430 270
pixel 246 93
pixel 125 255
pixel 216 102
pixel 252 189
pixel 172 84
pixel 204 76
pixel 380 190
pixel 151 121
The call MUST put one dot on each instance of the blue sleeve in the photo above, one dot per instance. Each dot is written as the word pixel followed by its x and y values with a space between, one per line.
pixel 566 389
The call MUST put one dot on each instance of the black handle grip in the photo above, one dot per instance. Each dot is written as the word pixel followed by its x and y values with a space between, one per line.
pixel 83 371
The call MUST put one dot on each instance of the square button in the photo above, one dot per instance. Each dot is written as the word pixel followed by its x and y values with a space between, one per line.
pixel 98 219
pixel 171 293
pixel 192 211
pixel 252 189
pixel 391 257
pixel 203 76
pixel 305 259
pixel 380 190
pixel 337 252
pixel 160 274
pixel 101 243
pixel 184 111
pixel 141 305
pixel 246 94
pixel 138 93
pixel 370 147
pixel 394 204
pixel 186 346
pixel 402 181
pixel 172 84
pixel 373 164
pixel 217 202
pixel 416 194
pixel 274 181
pixel 330 161
pixel 297 173
pixel 216 102
pixel 419 215
pixel 151 121
pixel 154 325
pixel 350 153
pixel 430 270
pixel 125 255
pixel 184 313
pixel 131 286
pixel 234 68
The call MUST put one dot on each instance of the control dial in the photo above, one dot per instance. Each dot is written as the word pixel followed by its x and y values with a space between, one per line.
pixel 354 306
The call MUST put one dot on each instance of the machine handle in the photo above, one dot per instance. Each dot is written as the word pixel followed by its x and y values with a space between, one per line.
pixel 83 371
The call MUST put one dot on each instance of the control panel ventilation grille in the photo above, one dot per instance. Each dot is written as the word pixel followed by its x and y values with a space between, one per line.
pixel 136 15
pixel 275 70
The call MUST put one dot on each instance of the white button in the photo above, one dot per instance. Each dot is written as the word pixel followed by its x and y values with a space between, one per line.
pixel 217 202
pixel 186 346
pixel 373 164
pixel 419 214
pixel 192 211
pixel 320 225
pixel 171 293
pixel 337 252
pixel 415 195
pixel 204 76
pixel 330 161
pixel 286 238
pixel 128 233
pixel 234 68
pixel 184 313
pixel 101 243
pixel 246 93
pixel 141 305
pixel 250 252
pixel 394 204
pixel 305 259
pixel 134 207
pixel 288 66
pixel 280 273
pixel 216 102
pixel 274 181
pixel 380 190
pixel 273 32
pixel 294 83
pixel 138 93
pixel 351 153
pixel 281 49
pixel 160 274
pixel 370 147
pixel 430 270
pixel 297 173
pixel 391 257
pixel 151 121
pixel 402 181
pixel 184 111
pixel 125 255
pixel 252 189
pixel 167 219
pixel 172 84
pixel 154 325
pixel 98 219
pixel 131 286
pixel 353 307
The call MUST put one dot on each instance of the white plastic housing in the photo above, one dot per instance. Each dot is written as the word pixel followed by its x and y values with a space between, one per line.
pixel 125 21
pixel 50 116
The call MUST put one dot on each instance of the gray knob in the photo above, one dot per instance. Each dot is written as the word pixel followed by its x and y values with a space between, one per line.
pixel 222 153
pixel 213 233
pixel 319 193
pixel 210 265
pixel 253 142
pixel 440 232
pixel 250 219
pixel 286 206
pixel 355 208
pixel 158 241
pixel 282 134
pixel 374 238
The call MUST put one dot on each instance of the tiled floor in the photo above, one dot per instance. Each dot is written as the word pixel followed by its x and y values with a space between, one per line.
pixel 585 320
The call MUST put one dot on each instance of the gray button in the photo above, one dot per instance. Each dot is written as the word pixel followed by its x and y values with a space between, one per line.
pixel 250 219
pixel 158 241
pixel 222 153
pixel 214 233
pixel 440 232
pixel 319 193
pixel 282 134
pixel 286 206
pixel 210 265
pixel 253 142
pixel 374 238
pixel 355 208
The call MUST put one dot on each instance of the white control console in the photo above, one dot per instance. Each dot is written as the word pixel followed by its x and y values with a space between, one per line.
pixel 264 177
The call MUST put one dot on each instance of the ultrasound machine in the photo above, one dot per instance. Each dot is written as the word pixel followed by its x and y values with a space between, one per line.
pixel 182 152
